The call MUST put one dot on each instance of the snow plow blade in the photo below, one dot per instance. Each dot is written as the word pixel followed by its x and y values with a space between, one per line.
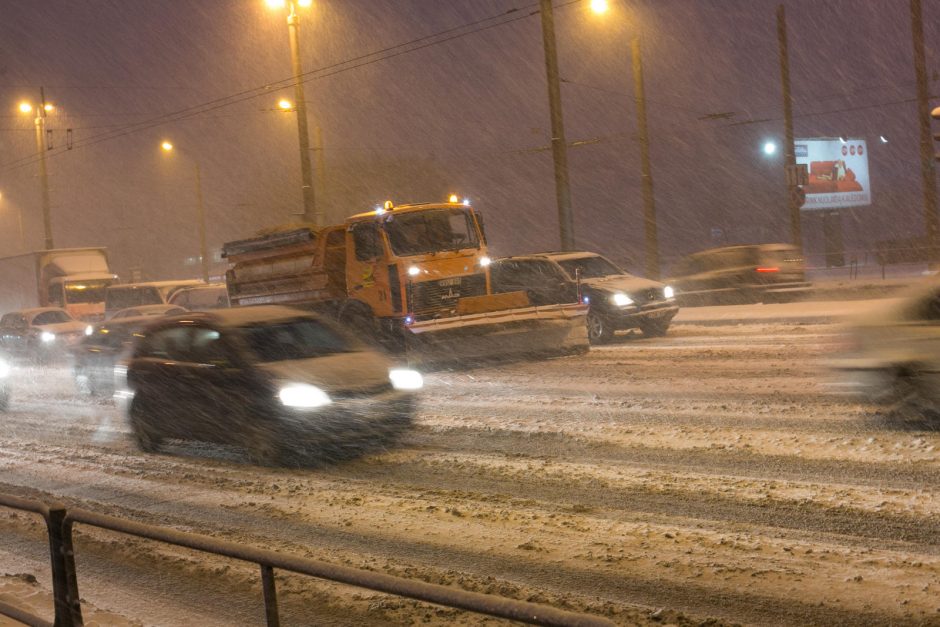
pixel 515 333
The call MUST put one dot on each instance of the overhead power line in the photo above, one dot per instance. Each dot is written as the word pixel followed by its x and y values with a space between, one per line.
pixel 420 43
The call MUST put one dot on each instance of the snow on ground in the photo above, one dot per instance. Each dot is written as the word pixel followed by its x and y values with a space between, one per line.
pixel 706 475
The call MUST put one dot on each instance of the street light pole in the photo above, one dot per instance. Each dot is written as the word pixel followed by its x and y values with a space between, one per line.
pixel 789 154
pixel 40 123
pixel 200 213
pixel 559 144
pixel 927 172
pixel 649 200
pixel 306 171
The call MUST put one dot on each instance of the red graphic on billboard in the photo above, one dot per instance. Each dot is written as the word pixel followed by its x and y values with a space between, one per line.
pixel 861 150
pixel 852 150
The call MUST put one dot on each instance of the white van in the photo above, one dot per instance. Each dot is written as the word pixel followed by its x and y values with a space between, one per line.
pixel 126 295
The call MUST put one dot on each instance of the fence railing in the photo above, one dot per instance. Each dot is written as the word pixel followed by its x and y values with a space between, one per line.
pixel 68 612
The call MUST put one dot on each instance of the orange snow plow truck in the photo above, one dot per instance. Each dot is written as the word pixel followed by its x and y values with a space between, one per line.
pixel 412 277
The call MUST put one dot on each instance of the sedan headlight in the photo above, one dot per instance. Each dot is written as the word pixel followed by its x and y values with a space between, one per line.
pixel 668 292
pixel 621 300
pixel 89 330
pixel 303 396
pixel 405 379
pixel 47 336
pixel 4 369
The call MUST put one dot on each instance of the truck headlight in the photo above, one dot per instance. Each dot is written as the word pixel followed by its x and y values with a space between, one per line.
pixel 621 300
pixel 405 379
pixel 47 336
pixel 668 292
pixel 303 396
pixel 4 369
pixel 485 261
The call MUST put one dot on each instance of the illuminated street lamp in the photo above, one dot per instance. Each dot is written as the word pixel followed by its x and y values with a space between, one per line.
pixel 770 148
pixel 285 105
pixel 306 170
pixel 168 148
pixel 41 110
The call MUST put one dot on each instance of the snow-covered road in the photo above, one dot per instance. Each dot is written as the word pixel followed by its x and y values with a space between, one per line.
pixel 710 473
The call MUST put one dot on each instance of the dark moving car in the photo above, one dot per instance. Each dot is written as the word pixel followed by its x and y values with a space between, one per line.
pixel 284 384
pixel 617 300
pixel 94 358
pixel 740 274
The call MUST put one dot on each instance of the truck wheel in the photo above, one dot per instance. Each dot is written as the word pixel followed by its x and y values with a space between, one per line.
pixel 599 329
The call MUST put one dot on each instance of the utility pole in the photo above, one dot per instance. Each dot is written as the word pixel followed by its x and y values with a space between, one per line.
pixel 43 177
pixel 559 145
pixel 320 172
pixel 928 176
pixel 789 156
pixel 649 201
pixel 310 208
pixel 203 253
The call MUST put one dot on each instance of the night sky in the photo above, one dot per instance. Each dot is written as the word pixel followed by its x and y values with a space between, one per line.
pixel 469 115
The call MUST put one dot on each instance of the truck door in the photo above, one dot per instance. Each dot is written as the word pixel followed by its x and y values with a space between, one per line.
pixel 334 262
pixel 366 274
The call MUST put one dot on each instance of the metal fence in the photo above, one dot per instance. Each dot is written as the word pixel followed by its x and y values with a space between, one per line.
pixel 68 611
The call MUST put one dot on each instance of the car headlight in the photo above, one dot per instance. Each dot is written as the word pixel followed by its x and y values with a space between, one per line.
pixel 668 292
pixel 4 369
pixel 303 396
pixel 621 300
pixel 406 379
pixel 89 330
pixel 47 336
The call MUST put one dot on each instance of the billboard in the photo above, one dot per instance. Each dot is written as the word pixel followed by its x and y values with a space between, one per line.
pixel 838 172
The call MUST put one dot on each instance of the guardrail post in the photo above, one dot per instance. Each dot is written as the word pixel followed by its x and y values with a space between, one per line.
pixel 270 596
pixel 68 609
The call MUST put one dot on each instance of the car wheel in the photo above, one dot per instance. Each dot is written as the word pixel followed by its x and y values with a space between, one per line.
pixel 147 438
pixel 654 328
pixel 599 329
pixel 909 406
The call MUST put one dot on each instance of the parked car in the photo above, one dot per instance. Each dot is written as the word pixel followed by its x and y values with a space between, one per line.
pixel 148 311
pixel 5 371
pixel 617 300
pixel 201 297
pixel 40 334
pixel 740 274
pixel 284 384
pixel 892 353
pixel 125 295
pixel 102 348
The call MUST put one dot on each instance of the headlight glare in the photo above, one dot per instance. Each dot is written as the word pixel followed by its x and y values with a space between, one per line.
pixel 47 336
pixel 405 379
pixel 4 369
pixel 89 330
pixel 668 292
pixel 621 300
pixel 485 261
pixel 303 396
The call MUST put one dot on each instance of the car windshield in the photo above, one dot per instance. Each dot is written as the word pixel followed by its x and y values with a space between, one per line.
pixel 431 231
pixel 293 339
pixel 86 291
pixel 591 267
pixel 51 317
pixel 124 297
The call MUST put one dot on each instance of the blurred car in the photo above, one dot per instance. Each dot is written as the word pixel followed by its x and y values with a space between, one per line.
pixel 892 353
pixel 148 311
pixel 740 274
pixel 284 384
pixel 617 300
pixel 5 370
pixel 201 297
pixel 104 344
pixel 40 334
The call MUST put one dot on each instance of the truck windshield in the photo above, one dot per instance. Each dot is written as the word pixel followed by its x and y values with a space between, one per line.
pixel 431 231
pixel 591 267
pixel 86 291
pixel 293 339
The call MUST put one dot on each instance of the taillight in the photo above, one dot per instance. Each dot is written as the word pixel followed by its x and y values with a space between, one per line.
pixel 767 269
